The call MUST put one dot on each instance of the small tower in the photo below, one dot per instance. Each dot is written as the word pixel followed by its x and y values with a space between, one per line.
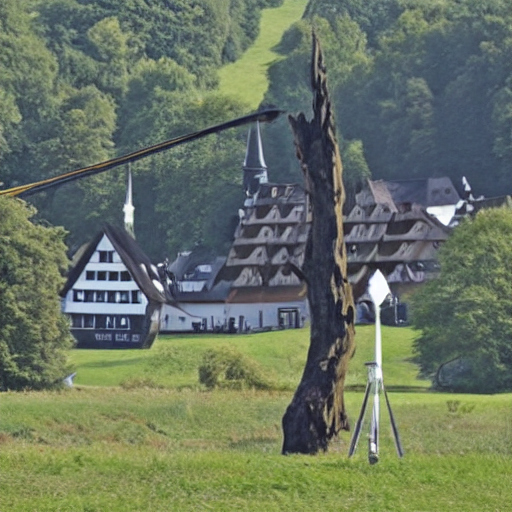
pixel 255 169
pixel 128 207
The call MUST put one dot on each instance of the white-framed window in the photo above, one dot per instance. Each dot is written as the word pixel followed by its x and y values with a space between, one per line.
pixel 113 276
pixel 106 256
pixel 78 295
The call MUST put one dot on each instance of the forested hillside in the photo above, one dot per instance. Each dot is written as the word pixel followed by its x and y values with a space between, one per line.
pixel 84 80
pixel 420 88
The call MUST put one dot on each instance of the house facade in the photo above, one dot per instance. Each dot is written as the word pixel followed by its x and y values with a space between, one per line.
pixel 256 286
pixel 260 285
pixel 399 237
pixel 113 296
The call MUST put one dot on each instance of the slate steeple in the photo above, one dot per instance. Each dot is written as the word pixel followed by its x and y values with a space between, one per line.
pixel 255 168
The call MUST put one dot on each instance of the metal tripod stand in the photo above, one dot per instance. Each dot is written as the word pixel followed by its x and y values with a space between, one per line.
pixel 378 289
pixel 373 388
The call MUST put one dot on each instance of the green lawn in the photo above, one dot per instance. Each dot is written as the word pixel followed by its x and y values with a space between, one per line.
pixel 171 445
pixel 98 449
pixel 173 361
pixel 246 78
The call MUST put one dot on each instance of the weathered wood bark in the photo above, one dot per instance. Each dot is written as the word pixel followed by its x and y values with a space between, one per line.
pixel 317 411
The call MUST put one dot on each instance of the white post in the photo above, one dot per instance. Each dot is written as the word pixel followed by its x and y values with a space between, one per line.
pixel 378 342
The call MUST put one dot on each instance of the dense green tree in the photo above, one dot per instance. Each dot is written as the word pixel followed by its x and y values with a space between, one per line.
pixel 155 89
pixel 27 78
pixel 465 315
pixel 372 16
pixel 82 135
pixel 34 335
pixel 199 35
pixel 9 118
pixel 112 51
pixel 192 193
pixel 434 101
pixel 344 47
pixel 355 170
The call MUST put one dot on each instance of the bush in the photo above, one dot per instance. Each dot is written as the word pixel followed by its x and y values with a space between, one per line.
pixel 228 368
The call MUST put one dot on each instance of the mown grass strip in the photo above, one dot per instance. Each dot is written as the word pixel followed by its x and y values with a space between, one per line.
pixel 246 78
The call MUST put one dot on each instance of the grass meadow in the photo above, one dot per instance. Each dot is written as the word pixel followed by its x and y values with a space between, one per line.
pixel 246 79
pixel 137 432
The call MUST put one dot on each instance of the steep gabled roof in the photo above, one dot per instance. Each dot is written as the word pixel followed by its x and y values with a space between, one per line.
pixel 376 192
pixel 426 192
pixel 137 262
pixel 79 261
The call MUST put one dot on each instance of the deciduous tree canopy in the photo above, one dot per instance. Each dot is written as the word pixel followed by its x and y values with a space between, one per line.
pixel 465 315
pixel 34 335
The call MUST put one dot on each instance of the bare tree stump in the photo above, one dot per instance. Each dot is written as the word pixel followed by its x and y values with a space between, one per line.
pixel 317 411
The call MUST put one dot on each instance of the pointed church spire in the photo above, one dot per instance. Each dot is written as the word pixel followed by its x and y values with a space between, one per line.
pixel 128 207
pixel 255 168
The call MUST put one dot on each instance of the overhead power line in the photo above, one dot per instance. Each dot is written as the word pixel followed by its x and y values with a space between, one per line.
pixel 264 115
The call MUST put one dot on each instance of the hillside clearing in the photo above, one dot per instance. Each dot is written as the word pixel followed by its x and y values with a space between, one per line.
pixel 246 79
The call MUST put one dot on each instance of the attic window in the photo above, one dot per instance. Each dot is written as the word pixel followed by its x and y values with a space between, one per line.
pixel 113 276
pixel 102 275
pixel 125 276
pixel 90 275
pixel 106 256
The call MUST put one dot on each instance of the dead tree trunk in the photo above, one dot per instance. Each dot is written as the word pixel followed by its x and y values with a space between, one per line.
pixel 317 411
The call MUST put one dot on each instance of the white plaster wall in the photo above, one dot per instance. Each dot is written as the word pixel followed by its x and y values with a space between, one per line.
pixel 181 319
pixel 106 308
